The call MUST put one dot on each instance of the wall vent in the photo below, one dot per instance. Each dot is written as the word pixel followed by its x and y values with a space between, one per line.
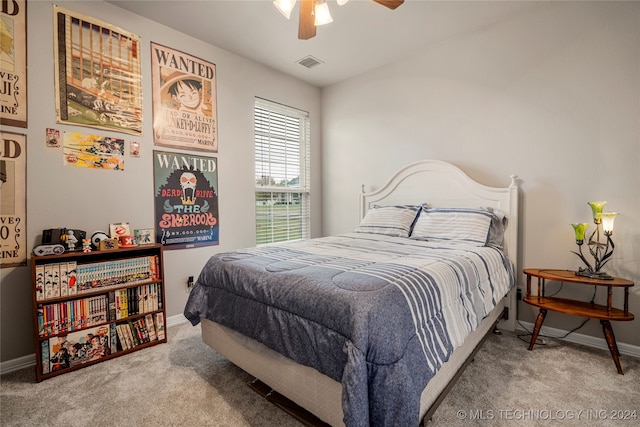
pixel 309 61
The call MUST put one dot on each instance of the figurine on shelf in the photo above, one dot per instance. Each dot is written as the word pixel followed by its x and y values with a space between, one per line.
pixel 86 245
pixel 71 241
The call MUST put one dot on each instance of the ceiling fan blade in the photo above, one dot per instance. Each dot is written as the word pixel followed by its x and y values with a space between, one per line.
pixel 306 26
pixel 391 4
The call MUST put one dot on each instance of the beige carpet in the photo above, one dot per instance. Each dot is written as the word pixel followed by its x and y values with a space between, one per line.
pixel 184 383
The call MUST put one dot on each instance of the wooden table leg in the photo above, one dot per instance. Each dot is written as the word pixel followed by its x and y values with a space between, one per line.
pixel 536 329
pixel 611 342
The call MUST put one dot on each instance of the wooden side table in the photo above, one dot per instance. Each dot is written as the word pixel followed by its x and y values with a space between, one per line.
pixel 579 308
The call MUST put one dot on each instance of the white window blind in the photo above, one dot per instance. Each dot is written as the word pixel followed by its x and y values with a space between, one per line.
pixel 281 172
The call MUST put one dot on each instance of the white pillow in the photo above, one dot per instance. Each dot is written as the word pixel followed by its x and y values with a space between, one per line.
pixel 389 220
pixel 453 225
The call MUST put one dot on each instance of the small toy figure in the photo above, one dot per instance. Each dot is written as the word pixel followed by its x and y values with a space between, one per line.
pixel 71 240
pixel 86 245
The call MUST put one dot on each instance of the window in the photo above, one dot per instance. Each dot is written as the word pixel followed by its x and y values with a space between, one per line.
pixel 281 172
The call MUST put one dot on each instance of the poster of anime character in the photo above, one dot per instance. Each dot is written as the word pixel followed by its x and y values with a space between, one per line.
pixel 93 151
pixel 184 100
pixel 97 74
pixel 13 63
pixel 186 200
pixel 13 199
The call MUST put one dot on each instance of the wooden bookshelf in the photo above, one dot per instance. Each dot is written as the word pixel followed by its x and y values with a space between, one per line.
pixel 91 307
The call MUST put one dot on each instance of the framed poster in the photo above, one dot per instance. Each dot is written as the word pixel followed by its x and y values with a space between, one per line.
pixel 97 74
pixel 13 63
pixel 184 100
pixel 13 199
pixel 186 200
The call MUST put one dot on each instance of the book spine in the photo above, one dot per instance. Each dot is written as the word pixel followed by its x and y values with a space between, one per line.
pixel 137 333
pixel 56 318
pixel 148 320
pixel 144 332
pixel 55 271
pixel 48 281
pixel 122 337
pixel 113 338
pixel 131 334
pixel 153 268
pixel 40 282
pixel 112 306
pixel 72 270
pixel 72 315
pixel 40 320
pixel 159 318
pixel 64 279
pixel 44 356
pixel 142 303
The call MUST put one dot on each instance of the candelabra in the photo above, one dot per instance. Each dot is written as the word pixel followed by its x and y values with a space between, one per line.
pixel 600 251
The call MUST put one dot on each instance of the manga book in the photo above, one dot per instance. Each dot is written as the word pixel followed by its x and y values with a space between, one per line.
pixel 160 326
pixel 77 348
pixel 44 356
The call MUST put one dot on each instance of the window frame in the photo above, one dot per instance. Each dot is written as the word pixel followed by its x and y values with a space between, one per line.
pixel 281 134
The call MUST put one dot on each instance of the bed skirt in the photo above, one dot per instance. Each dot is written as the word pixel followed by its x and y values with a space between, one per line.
pixel 316 392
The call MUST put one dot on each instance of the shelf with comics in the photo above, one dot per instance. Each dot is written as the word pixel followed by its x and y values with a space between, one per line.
pixel 93 306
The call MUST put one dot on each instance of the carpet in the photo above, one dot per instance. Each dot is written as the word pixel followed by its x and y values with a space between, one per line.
pixel 185 383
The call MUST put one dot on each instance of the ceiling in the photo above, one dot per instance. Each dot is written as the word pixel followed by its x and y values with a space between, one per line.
pixel 363 35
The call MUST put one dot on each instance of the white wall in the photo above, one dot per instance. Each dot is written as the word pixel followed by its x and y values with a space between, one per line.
pixel 552 95
pixel 90 199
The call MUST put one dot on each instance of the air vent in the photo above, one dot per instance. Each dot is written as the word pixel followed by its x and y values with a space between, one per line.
pixel 309 61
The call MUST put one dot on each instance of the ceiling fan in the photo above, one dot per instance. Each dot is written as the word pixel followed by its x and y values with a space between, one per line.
pixel 316 12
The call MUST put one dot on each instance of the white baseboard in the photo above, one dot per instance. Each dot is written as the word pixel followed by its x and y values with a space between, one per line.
pixel 588 340
pixel 19 363
pixel 176 320
pixel 30 359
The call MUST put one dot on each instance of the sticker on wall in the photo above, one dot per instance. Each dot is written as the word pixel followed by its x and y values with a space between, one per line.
pixel 186 200
pixel 53 138
pixel 93 151
pixel 134 149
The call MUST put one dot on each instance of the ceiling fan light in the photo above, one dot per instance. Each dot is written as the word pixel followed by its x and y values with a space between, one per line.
pixel 322 14
pixel 285 7
pixel 342 2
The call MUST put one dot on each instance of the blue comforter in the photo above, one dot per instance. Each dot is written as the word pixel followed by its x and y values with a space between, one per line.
pixel 379 314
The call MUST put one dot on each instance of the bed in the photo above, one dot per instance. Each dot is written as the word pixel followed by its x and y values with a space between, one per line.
pixel 371 327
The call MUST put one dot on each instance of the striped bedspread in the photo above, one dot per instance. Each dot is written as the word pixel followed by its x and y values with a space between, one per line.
pixel 379 314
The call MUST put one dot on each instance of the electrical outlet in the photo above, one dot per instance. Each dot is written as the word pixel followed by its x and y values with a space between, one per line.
pixel 189 284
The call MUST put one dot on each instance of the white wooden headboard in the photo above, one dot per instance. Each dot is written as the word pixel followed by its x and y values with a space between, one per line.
pixel 441 184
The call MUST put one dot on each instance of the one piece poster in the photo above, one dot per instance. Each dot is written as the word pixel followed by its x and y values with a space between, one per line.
pixel 97 74
pixel 13 63
pixel 93 151
pixel 13 199
pixel 184 100
pixel 186 200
